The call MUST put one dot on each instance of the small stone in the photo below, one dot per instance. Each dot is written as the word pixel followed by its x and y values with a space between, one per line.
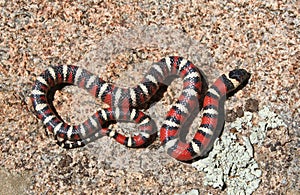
pixel 66 161
pixel 230 116
pixel 240 112
pixel 251 105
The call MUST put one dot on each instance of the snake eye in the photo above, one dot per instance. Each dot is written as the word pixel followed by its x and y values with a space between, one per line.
pixel 240 75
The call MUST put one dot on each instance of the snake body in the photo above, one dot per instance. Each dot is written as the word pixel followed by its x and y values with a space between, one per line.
pixel 124 104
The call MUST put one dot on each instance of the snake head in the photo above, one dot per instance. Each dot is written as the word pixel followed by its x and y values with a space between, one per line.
pixel 239 75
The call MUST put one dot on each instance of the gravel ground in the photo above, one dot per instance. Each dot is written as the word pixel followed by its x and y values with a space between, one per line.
pixel 118 41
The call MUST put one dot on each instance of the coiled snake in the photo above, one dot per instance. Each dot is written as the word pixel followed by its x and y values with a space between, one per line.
pixel 125 102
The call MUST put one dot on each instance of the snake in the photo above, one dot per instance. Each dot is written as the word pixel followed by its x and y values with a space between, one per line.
pixel 124 105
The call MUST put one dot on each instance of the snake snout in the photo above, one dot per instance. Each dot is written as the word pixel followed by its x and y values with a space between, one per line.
pixel 240 75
